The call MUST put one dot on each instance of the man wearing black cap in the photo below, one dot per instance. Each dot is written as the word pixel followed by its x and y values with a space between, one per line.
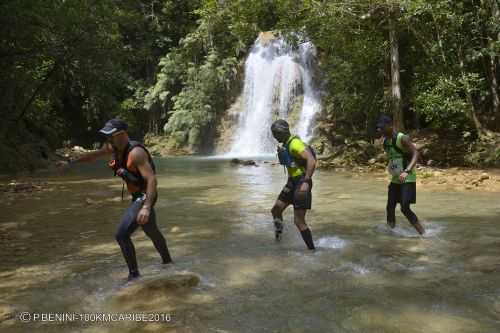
pixel 300 162
pixel 403 157
pixel 133 163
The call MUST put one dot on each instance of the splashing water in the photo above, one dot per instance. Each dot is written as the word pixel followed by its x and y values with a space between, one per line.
pixel 331 242
pixel 432 230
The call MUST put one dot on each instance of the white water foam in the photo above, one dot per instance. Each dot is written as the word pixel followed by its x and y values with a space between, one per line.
pixel 432 230
pixel 351 267
pixel 331 242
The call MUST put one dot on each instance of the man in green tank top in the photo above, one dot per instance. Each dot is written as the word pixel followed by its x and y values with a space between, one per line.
pixel 300 162
pixel 403 157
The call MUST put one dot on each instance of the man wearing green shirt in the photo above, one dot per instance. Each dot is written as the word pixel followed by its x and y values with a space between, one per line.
pixel 300 163
pixel 403 157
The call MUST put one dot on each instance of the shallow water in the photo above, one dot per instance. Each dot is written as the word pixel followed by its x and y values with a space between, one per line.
pixel 58 254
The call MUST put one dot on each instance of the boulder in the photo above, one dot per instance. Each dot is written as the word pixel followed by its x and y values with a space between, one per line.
pixel 243 162
pixel 484 176
pixel 28 187
pixel 338 139
pixel 147 288
pixel 7 312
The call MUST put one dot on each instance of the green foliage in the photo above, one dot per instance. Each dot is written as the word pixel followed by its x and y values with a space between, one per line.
pixel 443 105
pixel 66 66
pixel 197 79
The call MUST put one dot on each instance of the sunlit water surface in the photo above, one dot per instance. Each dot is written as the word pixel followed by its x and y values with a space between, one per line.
pixel 58 254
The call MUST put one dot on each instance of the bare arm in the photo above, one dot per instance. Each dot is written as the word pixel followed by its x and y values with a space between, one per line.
pixel 141 160
pixel 105 150
pixel 412 148
pixel 311 163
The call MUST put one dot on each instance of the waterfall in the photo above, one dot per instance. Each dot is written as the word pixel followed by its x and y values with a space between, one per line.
pixel 275 75
pixel 311 104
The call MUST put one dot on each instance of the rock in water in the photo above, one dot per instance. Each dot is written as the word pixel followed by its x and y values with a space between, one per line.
pixel 6 312
pixel 484 176
pixel 243 162
pixel 150 287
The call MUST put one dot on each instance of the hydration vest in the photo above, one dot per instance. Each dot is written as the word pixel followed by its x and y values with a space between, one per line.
pixel 132 177
pixel 393 144
pixel 288 160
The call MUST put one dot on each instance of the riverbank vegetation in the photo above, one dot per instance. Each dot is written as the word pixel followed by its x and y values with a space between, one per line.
pixel 172 68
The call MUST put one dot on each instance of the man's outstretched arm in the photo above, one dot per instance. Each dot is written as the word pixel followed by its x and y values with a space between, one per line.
pixel 105 150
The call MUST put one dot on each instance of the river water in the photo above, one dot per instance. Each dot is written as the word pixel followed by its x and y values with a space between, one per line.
pixel 58 254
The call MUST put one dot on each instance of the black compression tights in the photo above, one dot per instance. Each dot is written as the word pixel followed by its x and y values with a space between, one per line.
pixel 127 227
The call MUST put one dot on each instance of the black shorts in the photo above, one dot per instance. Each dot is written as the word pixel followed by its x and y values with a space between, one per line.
pixel 403 193
pixel 292 195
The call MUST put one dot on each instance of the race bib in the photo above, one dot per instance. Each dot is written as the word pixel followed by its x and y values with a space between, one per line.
pixel 395 167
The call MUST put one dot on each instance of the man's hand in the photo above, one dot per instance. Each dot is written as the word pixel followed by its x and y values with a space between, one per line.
pixel 402 176
pixel 304 187
pixel 143 216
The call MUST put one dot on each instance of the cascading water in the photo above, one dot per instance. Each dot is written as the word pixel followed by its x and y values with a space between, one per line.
pixel 275 75
pixel 311 104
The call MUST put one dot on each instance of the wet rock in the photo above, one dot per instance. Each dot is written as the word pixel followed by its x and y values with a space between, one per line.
pixel 265 37
pixel 23 187
pixel 89 201
pixel 338 139
pixel 381 158
pixel 79 149
pixel 10 225
pixel 67 152
pixel 237 161
pixel 147 288
pixel 7 312
pixel 484 176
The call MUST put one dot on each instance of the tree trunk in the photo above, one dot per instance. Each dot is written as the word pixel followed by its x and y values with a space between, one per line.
pixel 493 62
pixel 495 12
pixel 154 110
pixel 439 38
pixel 472 111
pixel 395 78
pixel 492 68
